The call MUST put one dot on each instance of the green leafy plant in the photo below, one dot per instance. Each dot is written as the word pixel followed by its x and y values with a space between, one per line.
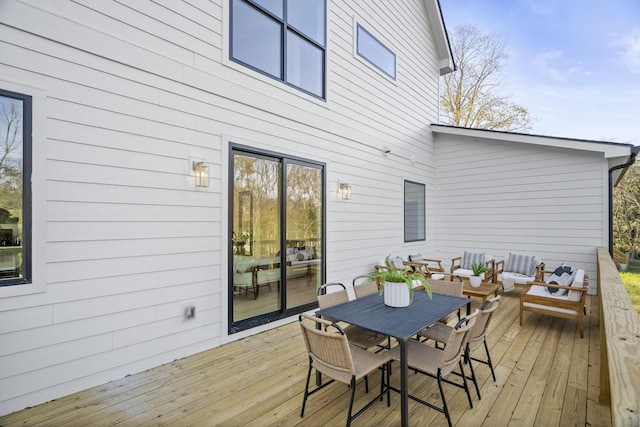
pixel 400 275
pixel 478 268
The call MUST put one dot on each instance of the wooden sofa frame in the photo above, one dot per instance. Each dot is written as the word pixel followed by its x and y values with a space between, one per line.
pixel 577 306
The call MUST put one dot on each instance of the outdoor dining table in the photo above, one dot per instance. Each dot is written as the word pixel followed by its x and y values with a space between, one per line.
pixel 402 323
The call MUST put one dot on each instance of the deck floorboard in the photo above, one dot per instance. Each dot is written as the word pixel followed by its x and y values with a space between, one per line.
pixel 545 375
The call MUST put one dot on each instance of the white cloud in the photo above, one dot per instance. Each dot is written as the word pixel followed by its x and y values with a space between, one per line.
pixel 542 7
pixel 551 64
pixel 631 51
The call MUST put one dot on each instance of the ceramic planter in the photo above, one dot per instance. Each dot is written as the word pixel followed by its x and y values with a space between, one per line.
pixel 475 281
pixel 396 294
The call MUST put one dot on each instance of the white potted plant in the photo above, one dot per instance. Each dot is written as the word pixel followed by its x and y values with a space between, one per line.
pixel 477 269
pixel 397 284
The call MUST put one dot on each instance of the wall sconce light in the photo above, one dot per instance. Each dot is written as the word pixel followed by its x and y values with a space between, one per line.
pixel 345 191
pixel 201 172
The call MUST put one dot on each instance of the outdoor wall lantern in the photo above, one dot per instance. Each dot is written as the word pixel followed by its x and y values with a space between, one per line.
pixel 201 172
pixel 345 191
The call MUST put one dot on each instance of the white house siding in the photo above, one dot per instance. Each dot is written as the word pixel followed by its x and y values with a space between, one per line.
pixel 502 197
pixel 128 92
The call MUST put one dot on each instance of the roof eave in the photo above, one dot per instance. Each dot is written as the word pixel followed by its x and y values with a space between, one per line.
pixel 446 63
pixel 608 149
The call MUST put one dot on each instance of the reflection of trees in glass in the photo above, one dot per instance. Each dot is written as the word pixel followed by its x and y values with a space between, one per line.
pixel 11 156
pixel 260 177
pixel 303 202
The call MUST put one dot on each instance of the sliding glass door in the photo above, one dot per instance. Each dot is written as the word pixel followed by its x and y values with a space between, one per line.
pixel 276 237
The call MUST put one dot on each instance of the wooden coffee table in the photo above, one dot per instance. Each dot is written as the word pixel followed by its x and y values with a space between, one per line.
pixel 484 291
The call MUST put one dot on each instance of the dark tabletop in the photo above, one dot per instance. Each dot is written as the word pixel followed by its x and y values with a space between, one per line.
pixel 402 323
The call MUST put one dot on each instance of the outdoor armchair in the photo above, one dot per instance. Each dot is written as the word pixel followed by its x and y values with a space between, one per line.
pixel 461 266
pixel 518 270
pixel 567 301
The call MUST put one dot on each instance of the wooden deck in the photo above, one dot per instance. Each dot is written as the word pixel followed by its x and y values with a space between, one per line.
pixel 546 376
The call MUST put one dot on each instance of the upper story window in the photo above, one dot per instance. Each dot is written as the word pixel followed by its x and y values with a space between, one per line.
pixel 284 39
pixel 15 188
pixel 414 212
pixel 376 53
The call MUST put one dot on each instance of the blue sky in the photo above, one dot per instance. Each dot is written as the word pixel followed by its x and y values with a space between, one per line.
pixel 574 64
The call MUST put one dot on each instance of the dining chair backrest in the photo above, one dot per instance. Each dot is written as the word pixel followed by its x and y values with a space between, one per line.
pixel 364 285
pixel 328 348
pixel 456 344
pixel 479 330
pixel 447 287
pixel 329 299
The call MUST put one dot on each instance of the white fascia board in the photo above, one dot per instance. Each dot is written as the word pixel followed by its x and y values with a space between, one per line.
pixel 608 149
pixel 439 34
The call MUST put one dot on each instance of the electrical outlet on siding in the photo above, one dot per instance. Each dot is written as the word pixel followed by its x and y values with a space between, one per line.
pixel 188 311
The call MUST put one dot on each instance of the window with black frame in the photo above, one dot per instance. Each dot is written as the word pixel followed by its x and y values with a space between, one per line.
pixel 414 212
pixel 15 189
pixel 375 52
pixel 283 39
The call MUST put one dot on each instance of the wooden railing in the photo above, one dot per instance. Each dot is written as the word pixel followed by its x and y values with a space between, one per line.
pixel 620 257
pixel 620 345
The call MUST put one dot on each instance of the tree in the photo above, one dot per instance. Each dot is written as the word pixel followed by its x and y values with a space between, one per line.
pixel 470 95
pixel 626 212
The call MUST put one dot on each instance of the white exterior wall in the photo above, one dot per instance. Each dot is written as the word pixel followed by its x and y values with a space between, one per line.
pixel 502 197
pixel 123 96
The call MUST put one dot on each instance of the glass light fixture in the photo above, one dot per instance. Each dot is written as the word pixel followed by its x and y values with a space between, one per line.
pixel 345 191
pixel 201 172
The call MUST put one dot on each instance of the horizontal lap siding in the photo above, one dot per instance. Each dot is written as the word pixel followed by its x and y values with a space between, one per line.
pixel 129 238
pixel 132 90
pixel 516 198
pixel 396 114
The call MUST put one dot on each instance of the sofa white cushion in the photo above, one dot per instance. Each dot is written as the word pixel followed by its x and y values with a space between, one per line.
pixel 462 272
pixel 541 291
pixel 520 279
pixel 578 282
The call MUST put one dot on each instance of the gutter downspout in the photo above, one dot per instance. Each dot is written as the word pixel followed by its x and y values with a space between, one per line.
pixel 632 160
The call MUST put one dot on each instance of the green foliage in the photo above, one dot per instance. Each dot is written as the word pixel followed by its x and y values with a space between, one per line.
pixel 626 212
pixel 400 275
pixel 478 268
pixel 631 281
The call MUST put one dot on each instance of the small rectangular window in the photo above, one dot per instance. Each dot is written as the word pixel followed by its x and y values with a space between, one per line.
pixel 376 53
pixel 15 188
pixel 414 212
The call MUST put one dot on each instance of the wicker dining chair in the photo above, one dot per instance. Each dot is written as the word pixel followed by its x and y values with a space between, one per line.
pixel 452 287
pixel 331 354
pixel 440 333
pixel 364 285
pixel 438 363
pixel 361 337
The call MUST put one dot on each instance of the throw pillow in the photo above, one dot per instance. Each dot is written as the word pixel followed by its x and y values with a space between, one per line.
pixel 521 264
pixel 397 261
pixel 416 258
pixel 563 275
pixel 470 258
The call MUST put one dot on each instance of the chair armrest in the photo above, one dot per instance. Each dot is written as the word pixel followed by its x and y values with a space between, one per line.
pixel 583 288
pixel 424 266
pixel 455 263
